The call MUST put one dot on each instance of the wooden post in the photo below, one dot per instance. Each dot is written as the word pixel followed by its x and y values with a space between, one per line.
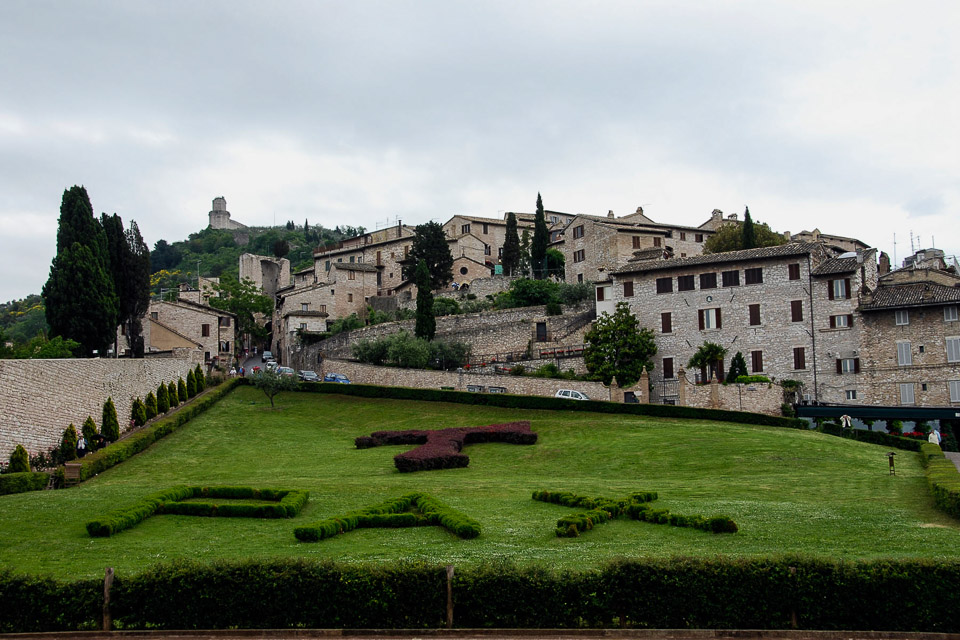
pixel 793 605
pixel 682 387
pixel 107 585
pixel 449 596
pixel 643 387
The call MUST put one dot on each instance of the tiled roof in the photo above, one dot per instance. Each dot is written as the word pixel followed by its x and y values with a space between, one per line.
pixel 762 253
pixel 307 314
pixel 654 253
pixel 913 294
pixel 836 265
pixel 354 266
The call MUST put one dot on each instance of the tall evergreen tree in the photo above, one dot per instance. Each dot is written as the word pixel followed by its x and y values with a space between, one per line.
pixel 749 233
pixel 511 246
pixel 79 297
pixel 110 425
pixel 426 325
pixel 430 245
pixel 524 263
pixel 129 264
pixel 541 238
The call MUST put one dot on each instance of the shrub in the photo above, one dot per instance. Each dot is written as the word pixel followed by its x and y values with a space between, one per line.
pixel 441 448
pixel 68 444
pixel 445 307
pixel 182 390
pixel 19 461
pixel 895 427
pixel 23 481
pixel 191 384
pixel 787 410
pixel 109 425
pixel 172 395
pixel 163 402
pixel 199 378
pixel 89 431
pixel 138 412
pixel 151 404
pixel 752 379
pixel 554 309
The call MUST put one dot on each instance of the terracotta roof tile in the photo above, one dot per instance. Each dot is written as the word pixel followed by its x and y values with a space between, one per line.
pixel 762 253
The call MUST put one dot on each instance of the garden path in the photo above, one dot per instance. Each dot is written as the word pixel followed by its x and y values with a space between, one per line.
pixel 954 456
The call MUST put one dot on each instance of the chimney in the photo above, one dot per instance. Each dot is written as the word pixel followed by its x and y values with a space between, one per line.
pixel 610 213
pixel 640 210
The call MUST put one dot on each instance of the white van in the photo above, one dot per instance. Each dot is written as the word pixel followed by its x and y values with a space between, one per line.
pixel 570 394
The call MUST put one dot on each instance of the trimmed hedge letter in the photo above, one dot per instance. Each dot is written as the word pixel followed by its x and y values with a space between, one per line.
pixel 636 506
pixel 411 510
pixel 440 448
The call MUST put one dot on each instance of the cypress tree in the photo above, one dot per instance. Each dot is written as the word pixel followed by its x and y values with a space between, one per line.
pixel 110 425
pixel 163 402
pixel 151 404
pixel 426 324
pixel 89 431
pixel 430 245
pixel 191 384
pixel 749 233
pixel 19 460
pixel 182 390
pixel 541 237
pixel 199 378
pixel 511 246
pixel 172 394
pixel 138 413
pixel 79 297
pixel 738 367
pixel 68 444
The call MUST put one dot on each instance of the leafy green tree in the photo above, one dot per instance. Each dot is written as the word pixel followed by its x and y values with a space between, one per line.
pixel 151 404
pixel 109 425
pixel 163 402
pixel 89 431
pixel 138 412
pixel 511 246
pixel 525 292
pixel 165 256
pixel 729 237
pixel 555 264
pixel 172 394
pixel 199 378
pixel 131 277
pixel 247 303
pixel 430 245
pixel 617 346
pixel 738 367
pixel 541 238
pixel 272 383
pixel 749 233
pixel 39 348
pixel 68 443
pixel 79 297
pixel 191 384
pixel 281 248
pixel 347 323
pixel 19 460
pixel 426 324
pixel 182 390
pixel 408 351
pixel 710 356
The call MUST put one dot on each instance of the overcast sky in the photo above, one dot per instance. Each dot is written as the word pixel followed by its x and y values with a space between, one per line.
pixel 837 115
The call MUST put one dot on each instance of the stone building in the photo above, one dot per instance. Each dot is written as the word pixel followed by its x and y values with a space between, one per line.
pixel 911 340
pixel 180 324
pixel 784 308
pixel 220 217
pixel 269 274
pixel 595 246
pixel 384 250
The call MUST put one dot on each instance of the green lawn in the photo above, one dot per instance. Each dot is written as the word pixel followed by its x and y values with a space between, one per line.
pixel 789 491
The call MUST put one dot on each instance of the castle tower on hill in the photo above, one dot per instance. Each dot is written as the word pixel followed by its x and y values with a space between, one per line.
pixel 220 217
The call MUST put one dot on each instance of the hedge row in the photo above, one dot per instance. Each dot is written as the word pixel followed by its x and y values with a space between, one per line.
pixel 635 506
pixel 943 478
pixel 23 481
pixel 677 593
pixel 395 512
pixel 441 448
pixel 168 501
pixel 121 450
pixel 873 437
pixel 510 401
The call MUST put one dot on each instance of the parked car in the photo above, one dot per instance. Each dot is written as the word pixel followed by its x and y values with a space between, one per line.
pixel 336 377
pixel 271 365
pixel 570 394
pixel 266 356
pixel 309 376
pixel 286 371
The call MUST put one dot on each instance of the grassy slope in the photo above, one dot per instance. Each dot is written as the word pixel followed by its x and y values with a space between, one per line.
pixel 790 491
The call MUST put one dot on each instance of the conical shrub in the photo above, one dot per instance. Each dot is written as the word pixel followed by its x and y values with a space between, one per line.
pixel 110 425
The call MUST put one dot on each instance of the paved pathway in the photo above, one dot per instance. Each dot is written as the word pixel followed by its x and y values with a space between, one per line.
pixel 955 456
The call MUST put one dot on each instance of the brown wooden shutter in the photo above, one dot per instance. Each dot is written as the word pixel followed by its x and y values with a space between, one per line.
pixel 700 316
pixel 839 365
pixel 833 322
pixel 666 322
pixel 796 310
pixel 849 319
pixel 830 289
pixel 667 368
pixel 846 284
pixel 719 324
pixel 856 365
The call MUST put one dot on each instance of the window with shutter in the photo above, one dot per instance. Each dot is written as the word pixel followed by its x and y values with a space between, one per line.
pixel 628 289
pixel 902 317
pixel 906 393
pixel 796 310
pixel 953 349
pixel 730 278
pixel 753 276
pixel 954 390
pixel 709 319
pixel 666 322
pixel 756 358
pixel 636 242
pixel 754 315
pixel 904 355
pixel 799 358
pixel 949 314
pixel 668 369
pixel 685 283
pixel 794 271
pixel 657 242
pixel 599 294
pixel 664 285
pixel 708 281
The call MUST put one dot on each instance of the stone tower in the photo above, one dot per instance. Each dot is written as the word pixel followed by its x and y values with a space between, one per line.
pixel 220 217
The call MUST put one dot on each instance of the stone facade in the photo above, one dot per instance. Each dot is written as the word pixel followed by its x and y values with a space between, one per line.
pixel 220 217
pixel 182 324
pixel 384 249
pixel 269 274
pixel 42 397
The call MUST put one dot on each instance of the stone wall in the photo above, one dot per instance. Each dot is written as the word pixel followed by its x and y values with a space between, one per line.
pixel 755 397
pixel 41 397
pixel 466 381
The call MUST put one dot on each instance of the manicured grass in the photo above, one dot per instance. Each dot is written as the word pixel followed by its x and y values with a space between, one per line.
pixel 789 491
